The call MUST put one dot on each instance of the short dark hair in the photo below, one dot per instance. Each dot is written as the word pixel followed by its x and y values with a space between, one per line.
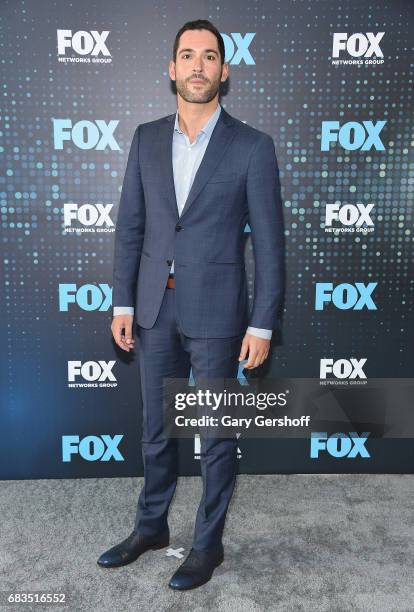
pixel 200 24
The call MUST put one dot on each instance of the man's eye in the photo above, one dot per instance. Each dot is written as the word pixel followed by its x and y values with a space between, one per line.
pixel 186 55
pixel 212 56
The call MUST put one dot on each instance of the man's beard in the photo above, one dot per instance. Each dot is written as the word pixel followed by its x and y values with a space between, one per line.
pixel 200 97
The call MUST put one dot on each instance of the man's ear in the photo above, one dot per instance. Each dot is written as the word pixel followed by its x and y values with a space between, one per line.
pixel 171 70
pixel 224 72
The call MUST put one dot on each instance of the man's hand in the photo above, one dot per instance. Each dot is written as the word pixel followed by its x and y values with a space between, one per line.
pixel 258 349
pixel 120 323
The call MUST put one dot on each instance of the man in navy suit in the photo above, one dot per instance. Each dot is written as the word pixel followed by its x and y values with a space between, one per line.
pixel 193 180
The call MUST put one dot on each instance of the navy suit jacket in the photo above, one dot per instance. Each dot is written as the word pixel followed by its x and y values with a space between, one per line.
pixel 236 183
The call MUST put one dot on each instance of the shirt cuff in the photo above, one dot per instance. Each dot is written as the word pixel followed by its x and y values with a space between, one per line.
pixel 266 334
pixel 123 310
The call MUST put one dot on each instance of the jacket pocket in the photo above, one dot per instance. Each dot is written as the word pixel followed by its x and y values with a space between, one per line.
pixel 223 177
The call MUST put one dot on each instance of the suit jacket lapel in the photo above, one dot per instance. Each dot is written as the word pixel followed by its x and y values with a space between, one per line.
pixel 220 139
pixel 165 152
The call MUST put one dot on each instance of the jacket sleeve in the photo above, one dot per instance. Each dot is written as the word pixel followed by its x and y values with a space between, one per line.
pixel 129 231
pixel 267 229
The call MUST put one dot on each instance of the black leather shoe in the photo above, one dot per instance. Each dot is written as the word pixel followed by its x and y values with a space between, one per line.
pixel 197 569
pixel 130 549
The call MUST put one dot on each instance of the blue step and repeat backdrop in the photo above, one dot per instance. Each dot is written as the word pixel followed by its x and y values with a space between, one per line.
pixel 332 83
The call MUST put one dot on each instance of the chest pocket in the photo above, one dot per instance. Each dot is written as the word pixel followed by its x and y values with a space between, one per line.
pixel 223 177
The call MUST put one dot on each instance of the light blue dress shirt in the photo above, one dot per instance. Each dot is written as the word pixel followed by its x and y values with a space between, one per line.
pixel 186 159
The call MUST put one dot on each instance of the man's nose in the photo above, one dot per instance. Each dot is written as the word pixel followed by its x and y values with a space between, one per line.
pixel 198 65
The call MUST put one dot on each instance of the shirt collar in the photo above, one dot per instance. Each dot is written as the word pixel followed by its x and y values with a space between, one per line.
pixel 207 128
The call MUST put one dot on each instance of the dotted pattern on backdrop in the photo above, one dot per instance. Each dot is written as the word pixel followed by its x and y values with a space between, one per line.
pixel 288 92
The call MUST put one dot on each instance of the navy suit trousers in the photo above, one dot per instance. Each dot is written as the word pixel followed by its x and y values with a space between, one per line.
pixel 165 352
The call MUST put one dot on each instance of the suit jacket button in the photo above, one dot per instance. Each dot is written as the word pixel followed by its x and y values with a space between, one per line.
pixel 178 228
